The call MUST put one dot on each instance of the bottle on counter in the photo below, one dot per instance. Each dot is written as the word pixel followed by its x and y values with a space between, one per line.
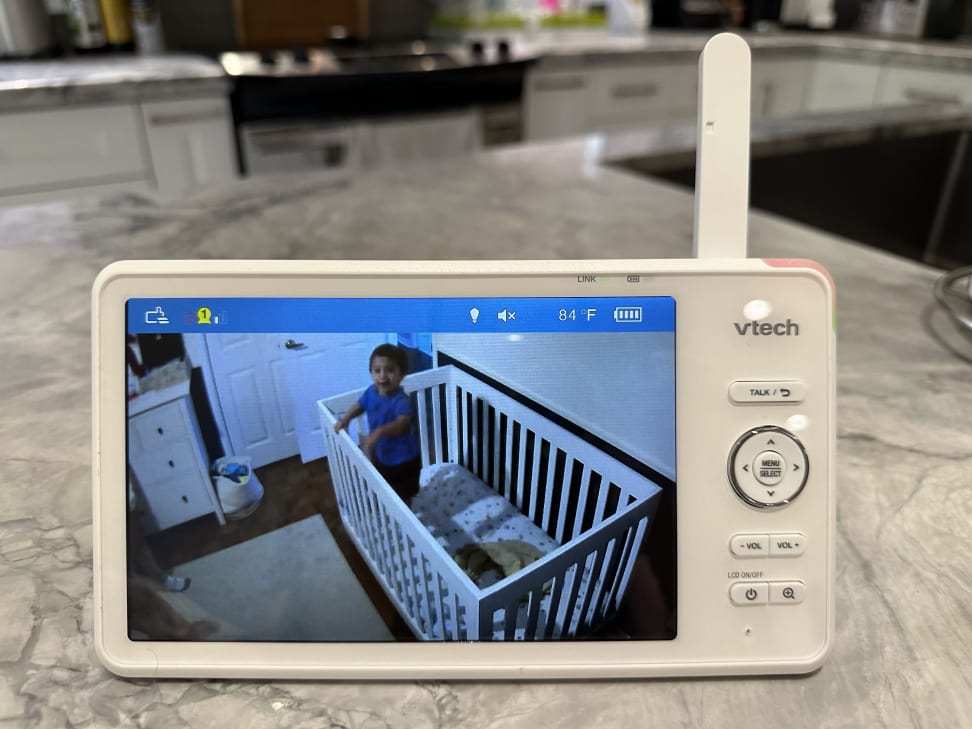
pixel 148 27
pixel 118 25
pixel 87 26
pixel 58 14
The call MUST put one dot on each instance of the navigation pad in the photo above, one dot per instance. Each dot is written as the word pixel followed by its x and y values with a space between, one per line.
pixel 768 467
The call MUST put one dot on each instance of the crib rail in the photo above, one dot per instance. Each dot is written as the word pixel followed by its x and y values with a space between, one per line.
pixel 429 589
pixel 597 508
pixel 572 590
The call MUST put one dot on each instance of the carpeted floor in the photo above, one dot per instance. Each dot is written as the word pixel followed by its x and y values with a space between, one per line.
pixel 291 584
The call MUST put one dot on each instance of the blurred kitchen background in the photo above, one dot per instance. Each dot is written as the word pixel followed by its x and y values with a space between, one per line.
pixel 166 97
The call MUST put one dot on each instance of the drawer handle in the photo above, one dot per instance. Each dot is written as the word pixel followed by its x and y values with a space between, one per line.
pixel 161 431
pixel 634 91
pixel 567 83
pixel 171 463
pixel 185 500
pixel 931 96
pixel 187 117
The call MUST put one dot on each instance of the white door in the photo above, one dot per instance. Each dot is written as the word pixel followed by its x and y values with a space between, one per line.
pixel 268 390
pixel 321 365
pixel 251 384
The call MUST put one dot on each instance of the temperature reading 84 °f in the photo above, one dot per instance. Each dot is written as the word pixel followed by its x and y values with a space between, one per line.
pixel 567 315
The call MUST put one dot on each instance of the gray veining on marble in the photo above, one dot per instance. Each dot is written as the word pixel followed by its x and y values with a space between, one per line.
pixel 108 79
pixel 904 580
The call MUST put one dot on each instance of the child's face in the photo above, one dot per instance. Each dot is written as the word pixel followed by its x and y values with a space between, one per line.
pixel 385 375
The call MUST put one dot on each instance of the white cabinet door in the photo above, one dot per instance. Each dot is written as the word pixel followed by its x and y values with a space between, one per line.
pixel 632 96
pixel 779 87
pixel 842 85
pixel 64 148
pixel 903 85
pixel 555 104
pixel 190 143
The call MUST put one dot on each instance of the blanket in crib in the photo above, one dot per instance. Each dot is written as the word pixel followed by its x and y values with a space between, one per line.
pixel 482 530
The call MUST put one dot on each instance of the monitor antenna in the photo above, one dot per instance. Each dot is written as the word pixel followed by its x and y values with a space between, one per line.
pixel 722 151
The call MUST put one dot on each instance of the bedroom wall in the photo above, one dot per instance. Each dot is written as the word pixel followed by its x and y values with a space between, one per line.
pixel 621 388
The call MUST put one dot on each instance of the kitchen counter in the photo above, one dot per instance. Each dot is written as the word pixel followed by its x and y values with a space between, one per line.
pixel 904 560
pixel 107 79
pixel 568 49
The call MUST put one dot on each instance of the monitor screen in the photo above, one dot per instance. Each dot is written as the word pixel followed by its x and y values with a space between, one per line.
pixel 401 469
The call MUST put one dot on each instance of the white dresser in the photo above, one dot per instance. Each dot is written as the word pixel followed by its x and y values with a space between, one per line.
pixel 168 458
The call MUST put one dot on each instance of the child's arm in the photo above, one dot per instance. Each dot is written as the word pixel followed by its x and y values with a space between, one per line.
pixel 350 415
pixel 398 426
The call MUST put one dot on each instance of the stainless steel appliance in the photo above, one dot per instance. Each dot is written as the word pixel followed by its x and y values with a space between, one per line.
pixel 349 108
pixel 24 28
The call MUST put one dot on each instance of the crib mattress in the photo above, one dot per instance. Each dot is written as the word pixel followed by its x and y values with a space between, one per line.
pixel 459 510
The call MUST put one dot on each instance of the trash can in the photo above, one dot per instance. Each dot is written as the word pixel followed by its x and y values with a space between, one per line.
pixel 238 489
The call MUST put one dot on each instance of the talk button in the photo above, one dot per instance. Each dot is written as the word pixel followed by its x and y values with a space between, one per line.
pixel 763 391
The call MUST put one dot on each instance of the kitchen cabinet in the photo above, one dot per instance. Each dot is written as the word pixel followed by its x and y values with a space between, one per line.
pixel 908 85
pixel 842 85
pixel 83 147
pixel 190 144
pixel 633 95
pixel 779 87
pixel 555 104
pixel 168 459
pixel 561 103
pixel 164 147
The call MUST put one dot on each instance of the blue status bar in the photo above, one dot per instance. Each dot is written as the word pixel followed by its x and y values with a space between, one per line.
pixel 497 315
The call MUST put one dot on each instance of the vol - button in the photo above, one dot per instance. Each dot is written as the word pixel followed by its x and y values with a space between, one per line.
pixel 750 545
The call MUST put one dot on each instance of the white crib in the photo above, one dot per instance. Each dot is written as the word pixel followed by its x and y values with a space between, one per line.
pixel 597 509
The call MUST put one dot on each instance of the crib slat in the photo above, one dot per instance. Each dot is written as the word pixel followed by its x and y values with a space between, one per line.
pixel 570 614
pixel 437 423
pixel 452 412
pixel 594 588
pixel 623 557
pixel 495 476
pixel 534 478
pixel 423 422
pixel 548 493
pixel 585 488
pixel 508 460
pixel 533 613
pixel 564 499
pixel 602 496
pixel 483 439
pixel 632 556
pixel 520 465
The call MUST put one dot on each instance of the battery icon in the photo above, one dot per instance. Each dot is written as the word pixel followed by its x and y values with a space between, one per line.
pixel 625 314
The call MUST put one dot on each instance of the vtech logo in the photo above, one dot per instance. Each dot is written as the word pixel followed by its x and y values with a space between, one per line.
pixel 786 328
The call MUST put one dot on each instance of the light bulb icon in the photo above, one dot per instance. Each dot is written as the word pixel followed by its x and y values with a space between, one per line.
pixel 474 314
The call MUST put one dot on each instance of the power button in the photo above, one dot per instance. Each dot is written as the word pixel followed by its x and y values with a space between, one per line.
pixel 749 593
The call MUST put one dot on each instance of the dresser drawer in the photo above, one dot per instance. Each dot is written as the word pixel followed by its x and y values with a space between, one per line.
pixel 182 496
pixel 160 463
pixel 161 425
pixel 57 149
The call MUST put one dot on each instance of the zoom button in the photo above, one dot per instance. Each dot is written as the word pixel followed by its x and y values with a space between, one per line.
pixel 749 593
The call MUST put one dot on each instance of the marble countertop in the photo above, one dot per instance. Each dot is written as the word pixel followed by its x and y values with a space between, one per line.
pixel 904 559
pixel 108 79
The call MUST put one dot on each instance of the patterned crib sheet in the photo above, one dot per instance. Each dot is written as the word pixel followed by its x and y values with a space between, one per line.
pixel 460 510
